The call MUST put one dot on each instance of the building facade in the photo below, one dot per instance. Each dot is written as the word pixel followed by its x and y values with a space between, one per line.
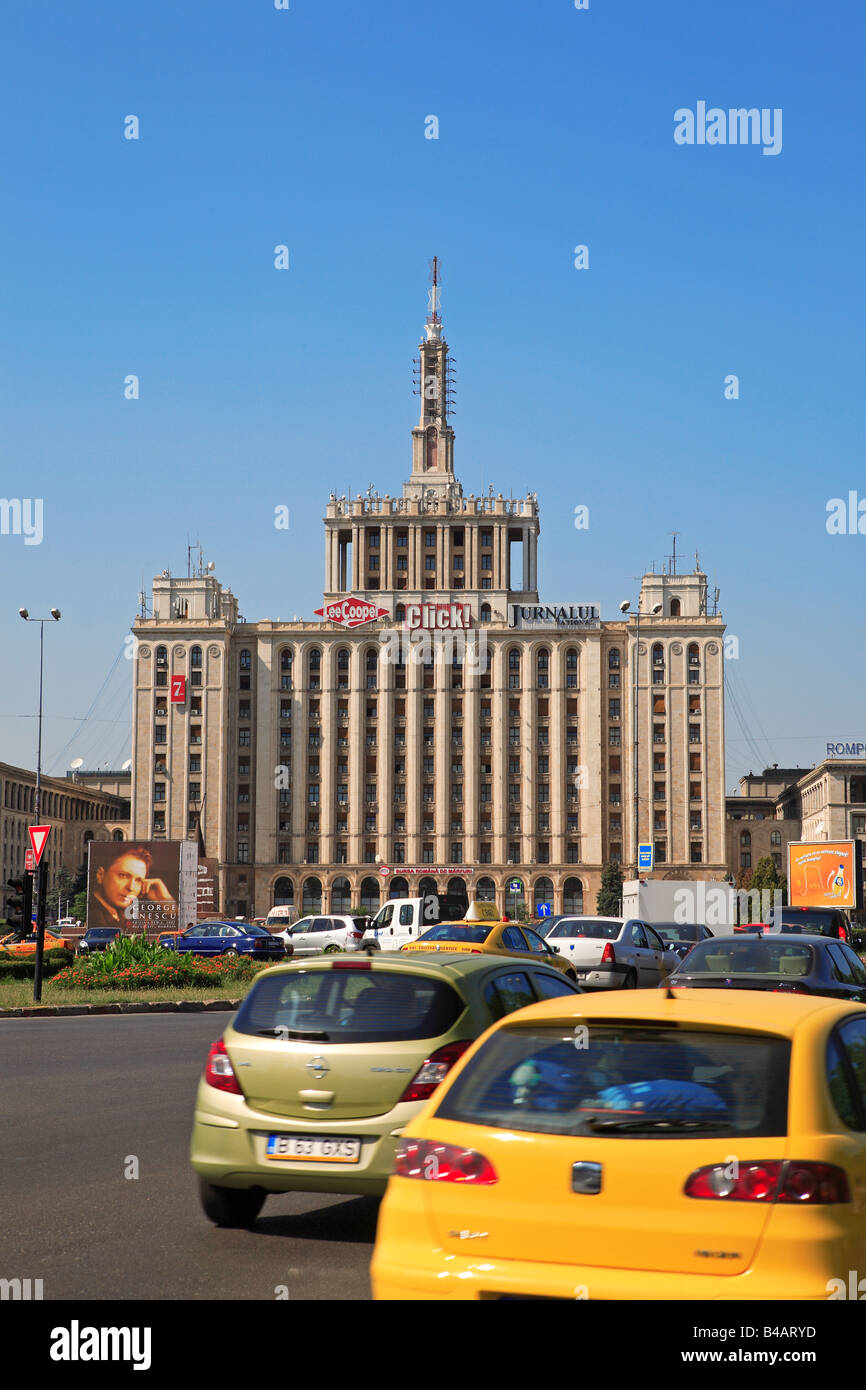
pixel 762 819
pixel 441 724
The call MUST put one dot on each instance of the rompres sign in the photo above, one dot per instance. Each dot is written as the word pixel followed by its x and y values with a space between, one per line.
pixel 351 612
pixel 554 615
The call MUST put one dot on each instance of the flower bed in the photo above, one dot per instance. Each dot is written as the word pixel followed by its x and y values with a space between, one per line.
pixel 167 971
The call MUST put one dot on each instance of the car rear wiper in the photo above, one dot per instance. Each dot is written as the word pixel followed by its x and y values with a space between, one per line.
pixel 648 1122
pixel 279 1032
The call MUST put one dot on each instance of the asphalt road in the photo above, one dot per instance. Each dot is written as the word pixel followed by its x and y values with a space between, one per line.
pixel 78 1097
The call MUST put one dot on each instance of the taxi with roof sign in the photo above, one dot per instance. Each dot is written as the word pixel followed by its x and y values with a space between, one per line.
pixel 482 931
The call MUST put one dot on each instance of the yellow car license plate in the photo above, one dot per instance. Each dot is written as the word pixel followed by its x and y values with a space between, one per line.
pixel 312 1148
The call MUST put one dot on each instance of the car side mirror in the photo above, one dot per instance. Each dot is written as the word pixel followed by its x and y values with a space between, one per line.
pixel 555 950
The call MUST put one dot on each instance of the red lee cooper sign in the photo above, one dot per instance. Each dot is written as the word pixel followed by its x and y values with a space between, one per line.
pixel 351 612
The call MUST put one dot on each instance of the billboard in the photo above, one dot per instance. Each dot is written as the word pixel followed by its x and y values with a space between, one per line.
pixel 134 885
pixel 824 873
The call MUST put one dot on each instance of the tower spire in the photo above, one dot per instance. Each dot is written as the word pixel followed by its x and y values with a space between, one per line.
pixel 433 438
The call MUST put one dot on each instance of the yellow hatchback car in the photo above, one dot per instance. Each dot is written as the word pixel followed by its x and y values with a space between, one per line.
pixel 483 932
pixel 699 1145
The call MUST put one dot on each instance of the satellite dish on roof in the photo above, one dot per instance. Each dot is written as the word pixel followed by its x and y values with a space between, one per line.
pixel 77 763
pixel 124 767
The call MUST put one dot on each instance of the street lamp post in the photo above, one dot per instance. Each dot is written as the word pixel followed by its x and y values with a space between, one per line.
pixel 655 610
pixel 43 866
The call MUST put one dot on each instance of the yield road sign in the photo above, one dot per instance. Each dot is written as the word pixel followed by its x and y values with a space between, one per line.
pixel 38 839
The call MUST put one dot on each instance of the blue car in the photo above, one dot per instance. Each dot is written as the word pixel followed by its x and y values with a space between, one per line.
pixel 226 939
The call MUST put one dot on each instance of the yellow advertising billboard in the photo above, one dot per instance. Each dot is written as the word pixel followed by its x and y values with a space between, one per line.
pixel 823 873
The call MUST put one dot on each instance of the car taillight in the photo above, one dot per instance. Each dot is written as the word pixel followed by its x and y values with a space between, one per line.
pixel 422 1158
pixel 811 1184
pixel 434 1070
pixel 219 1071
pixel 356 933
pixel 790 989
pixel 352 965
pixel 843 935
pixel 607 955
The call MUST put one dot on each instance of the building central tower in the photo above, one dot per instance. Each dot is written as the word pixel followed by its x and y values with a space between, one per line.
pixel 397 549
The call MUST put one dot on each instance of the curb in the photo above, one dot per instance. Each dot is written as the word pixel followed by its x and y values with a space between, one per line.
pixel 180 1006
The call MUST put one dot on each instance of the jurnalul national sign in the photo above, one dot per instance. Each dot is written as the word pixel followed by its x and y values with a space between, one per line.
pixel 554 615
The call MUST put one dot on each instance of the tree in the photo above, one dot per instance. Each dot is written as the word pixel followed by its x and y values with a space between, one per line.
pixel 609 900
pixel 79 907
pixel 766 879
pixel 61 891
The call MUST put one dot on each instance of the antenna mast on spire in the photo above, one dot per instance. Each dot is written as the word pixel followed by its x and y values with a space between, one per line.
pixel 434 315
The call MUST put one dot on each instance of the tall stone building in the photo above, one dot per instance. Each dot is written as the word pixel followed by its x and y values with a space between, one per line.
pixel 440 724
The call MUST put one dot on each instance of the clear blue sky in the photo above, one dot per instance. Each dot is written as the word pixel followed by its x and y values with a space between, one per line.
pixel 602 387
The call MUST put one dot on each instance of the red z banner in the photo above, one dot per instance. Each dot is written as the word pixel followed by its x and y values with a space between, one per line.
pixel 178 690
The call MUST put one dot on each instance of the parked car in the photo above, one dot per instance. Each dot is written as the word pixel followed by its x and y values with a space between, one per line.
pixel 542 1169
pixel 327 1061
pixel 613 952
pixel 26 945
pixel 815 921
pixel 97 939
pixel 226 939
pixel 681 936
pixel 314 935
pixel 793 964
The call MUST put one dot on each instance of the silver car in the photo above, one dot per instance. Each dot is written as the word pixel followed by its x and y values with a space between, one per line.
pixel 314 935
pixel 613 952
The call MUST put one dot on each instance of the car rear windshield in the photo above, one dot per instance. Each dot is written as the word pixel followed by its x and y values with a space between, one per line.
pixel 620 1081
pixel 824 923
pixel 339 1005
pixel 595 927
pixel 751 957
pixel 675 931
pixel 455 931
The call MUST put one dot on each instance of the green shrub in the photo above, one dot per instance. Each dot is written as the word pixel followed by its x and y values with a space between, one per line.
pixel 24 967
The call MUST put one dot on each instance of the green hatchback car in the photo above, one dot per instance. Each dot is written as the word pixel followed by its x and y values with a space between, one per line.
pixel 326 1062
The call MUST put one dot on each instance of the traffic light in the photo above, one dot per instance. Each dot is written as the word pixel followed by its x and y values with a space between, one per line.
pixel 20 905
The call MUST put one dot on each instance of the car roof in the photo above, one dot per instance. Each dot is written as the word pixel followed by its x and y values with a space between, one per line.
pixel 753 1010
pixel 422 962
pixel 793 937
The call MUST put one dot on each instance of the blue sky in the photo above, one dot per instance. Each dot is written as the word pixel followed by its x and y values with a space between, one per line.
pixel 259 387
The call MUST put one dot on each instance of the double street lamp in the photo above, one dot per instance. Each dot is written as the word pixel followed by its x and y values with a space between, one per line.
pixel 43 867
pixel 655 610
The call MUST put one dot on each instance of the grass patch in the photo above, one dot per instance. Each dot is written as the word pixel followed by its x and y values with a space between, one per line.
pixel 18 994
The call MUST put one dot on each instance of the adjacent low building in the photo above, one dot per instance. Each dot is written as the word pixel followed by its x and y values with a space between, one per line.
pixel 76 811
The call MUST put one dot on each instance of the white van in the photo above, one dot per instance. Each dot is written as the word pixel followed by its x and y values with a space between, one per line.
pixel 279 917
pixel 404 919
